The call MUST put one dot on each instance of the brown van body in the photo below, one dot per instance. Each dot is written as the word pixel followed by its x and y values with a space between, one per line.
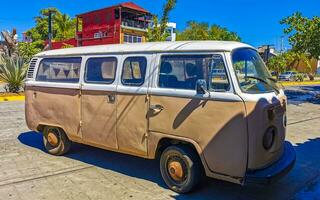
pixel 61 108
pixel 227 134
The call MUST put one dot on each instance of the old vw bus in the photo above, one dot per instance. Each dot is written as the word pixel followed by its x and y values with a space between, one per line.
pixel 203 108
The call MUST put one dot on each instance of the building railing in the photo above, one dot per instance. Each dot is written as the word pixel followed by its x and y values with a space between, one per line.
pixel 134 23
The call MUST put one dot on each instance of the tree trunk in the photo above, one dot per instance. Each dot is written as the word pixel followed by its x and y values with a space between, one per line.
pixel 311 76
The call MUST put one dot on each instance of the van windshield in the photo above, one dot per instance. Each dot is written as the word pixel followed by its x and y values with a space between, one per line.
pixel 252 73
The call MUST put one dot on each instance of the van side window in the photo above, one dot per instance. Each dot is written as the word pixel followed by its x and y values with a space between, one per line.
pixel 183 71
pixel 134 70
pixel 218 78
pixel 64 70
pixel 101 70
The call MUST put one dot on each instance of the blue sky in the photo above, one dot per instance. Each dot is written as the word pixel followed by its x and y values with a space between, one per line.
pixel 257 22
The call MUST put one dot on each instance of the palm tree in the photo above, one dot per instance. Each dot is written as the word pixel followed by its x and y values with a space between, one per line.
pixel 65 26
pixel 13 72
pixel 158 31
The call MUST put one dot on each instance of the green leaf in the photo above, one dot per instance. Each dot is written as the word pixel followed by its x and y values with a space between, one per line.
pixel 12 72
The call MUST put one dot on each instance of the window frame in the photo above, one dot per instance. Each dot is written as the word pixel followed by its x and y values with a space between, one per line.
pixel 100 82
pixel 132 37
pixel 97 35
pixel 125 38
pixel 145 71
pixel 59 82
pixel 226 72
pixel 211 54
pixel 236 79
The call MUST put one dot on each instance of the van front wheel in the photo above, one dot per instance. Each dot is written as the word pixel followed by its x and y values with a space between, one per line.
pixel 180 168
pixel 55 141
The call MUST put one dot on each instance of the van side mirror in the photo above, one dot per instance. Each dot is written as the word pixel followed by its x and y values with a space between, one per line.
pixel 201 86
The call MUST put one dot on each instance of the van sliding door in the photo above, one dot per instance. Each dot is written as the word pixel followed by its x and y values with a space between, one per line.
pixel 98 101
pixel 132 104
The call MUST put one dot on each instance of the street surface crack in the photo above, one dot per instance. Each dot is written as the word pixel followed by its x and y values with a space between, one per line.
pixel 35 177
pixel 305 120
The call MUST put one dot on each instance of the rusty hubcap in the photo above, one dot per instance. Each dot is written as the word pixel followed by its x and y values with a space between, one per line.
pixel 176 170
pixel 52 139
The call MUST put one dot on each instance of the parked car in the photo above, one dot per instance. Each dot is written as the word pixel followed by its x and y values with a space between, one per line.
pixel 273 73
pixel 288 76
pixel 218 73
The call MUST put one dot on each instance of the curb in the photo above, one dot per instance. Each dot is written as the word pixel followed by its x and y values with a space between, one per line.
pixel 300 83
pixel 12 98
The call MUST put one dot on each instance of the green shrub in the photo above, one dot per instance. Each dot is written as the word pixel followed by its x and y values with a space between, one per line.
pixel 13 72
pixel 300 77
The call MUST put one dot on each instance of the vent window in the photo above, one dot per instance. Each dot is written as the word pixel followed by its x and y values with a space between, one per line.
pixel 32 66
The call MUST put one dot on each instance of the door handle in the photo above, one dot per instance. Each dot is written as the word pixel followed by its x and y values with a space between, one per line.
pixel 156 108
pixel 111 98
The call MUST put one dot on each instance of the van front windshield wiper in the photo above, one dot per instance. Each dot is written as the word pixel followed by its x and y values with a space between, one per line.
pixel 276 81
pixel 264 81
pixel 272 79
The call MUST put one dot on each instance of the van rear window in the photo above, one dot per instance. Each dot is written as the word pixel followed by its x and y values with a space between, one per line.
pixel 62 70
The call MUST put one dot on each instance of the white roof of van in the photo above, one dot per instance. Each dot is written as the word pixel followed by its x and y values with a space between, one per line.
pixel 148 47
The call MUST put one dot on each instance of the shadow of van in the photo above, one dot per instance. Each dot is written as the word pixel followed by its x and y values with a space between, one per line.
pixel 306 169
pixel 302 94
pixel 122 163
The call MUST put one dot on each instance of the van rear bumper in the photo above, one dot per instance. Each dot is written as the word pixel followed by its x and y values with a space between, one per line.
pixel 275 171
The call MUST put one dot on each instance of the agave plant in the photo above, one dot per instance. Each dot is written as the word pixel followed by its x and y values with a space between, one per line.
pixel 12 72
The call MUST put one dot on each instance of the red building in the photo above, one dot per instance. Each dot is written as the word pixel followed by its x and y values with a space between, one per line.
pixel 123 23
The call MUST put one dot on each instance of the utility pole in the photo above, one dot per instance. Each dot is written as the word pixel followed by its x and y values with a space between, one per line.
pixel 50 29
pixel 282 44
pixel 50 13
pixel 267 52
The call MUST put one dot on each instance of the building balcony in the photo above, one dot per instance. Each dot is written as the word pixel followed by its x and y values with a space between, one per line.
pixel 134 25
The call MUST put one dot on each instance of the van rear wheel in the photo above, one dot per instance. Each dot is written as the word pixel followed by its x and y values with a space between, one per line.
pixel 180 168
pixel 55 141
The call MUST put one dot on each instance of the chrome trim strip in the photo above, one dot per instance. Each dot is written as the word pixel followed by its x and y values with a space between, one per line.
pixel 132 90
pixel 53 85
pixel 215 96
pixel 99 87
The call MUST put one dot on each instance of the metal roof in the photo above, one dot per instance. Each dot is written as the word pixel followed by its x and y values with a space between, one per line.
pixel 129 5
pixel 148 47
pixel 133 6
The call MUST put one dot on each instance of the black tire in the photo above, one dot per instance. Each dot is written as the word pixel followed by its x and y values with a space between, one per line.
pixel 62 145
pixel 190 163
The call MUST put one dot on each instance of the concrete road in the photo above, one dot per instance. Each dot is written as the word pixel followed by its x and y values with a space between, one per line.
pixel 27 172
